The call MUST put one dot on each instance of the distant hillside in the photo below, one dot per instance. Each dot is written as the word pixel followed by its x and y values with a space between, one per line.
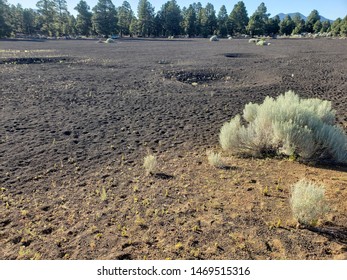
pixel 282 16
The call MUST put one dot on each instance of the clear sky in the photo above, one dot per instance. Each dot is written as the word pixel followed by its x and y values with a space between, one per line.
pixel 330 9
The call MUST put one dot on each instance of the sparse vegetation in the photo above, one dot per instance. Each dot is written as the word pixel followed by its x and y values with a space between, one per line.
pixel 266 191
pixel 214 38
pixel 308 202
pixel 150 164
pixel 103 194
pixel 253 40
pixel 215 159
pixel 50 195
pixel 179 246
pixel 109 41
pixel 262 43
pixel 287 125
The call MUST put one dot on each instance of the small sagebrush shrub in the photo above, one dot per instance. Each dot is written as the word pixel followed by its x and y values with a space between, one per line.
pixel 150 164
pixel 262 43
pixel 308 202
pixel 253 40
pixel 109 41
pixel 289 126
pixel 214 38
pixel 215 159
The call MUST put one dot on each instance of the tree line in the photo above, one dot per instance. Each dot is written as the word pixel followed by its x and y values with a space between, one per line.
pixel 52 18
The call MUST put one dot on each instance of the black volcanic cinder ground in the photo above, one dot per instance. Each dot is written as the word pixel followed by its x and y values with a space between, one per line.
pixel 79 116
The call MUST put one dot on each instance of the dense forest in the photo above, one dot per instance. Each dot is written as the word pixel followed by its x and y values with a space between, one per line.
pixel 52 18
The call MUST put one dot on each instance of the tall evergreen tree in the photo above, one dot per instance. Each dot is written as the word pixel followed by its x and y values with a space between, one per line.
pixel 125 16
pixel 339 27
pixel 336 27
pixel 134 27
pixel 29 16
pixel 312 18
pixel 5 28
pixel 170 18
pixel 47 14
pixel 189 21
pixel 145 18
pixel 84 18
pixel 104 18
pixel 238 19
pixel 209 20
pixel 222 22
pixel 199 15
pixel 257 22
pixel 299 24
pixel 317 26
pixel 343 27
pixel 62 16
pixel 70 25
pixel 326 26
pixel 273 25
pixel 16 18
pixel 287 25
pixel 158 29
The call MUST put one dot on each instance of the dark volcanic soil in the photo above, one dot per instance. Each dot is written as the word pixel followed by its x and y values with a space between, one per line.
pixel 77 117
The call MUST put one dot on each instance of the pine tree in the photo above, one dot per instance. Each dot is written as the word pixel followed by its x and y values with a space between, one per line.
pixel 47 14
pixel 16 18
pixel 336 27
pixel 317 26
pixel 125 16
pixel 287 25
pixel 222 22
pixel 273 26
pixel 62 17
pixel 311 20
pixel 29 17
pixel 207 20
pixel 84 19
pixel 343 27
pixel 199 15
pixel 5 27
pixel 299 24
pixel 189 21
pixel 325 26
pixel 70 25
pixel 170 18
pixel 257 22
pixel 211 19
pixel 133 27
pixel 238 19
pixel 145 15
pixel 105 18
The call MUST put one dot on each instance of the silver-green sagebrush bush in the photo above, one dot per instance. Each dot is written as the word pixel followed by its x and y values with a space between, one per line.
pixel 287 125
pixel 308 202
pixel 150 164
pixel 215 159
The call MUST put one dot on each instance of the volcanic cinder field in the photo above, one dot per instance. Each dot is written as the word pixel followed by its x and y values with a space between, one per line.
pixel 78 117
